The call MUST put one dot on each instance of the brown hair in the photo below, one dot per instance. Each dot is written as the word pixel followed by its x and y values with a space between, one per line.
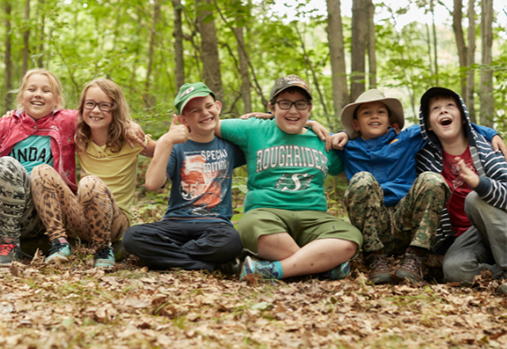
pixel 56 87
pixel 117 133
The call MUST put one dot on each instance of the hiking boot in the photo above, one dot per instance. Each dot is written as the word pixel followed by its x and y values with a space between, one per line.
pixel 263 269
pixel 59 251
pixel 9 252
pixel 104 258
pixel 380 272
pixel 337 273
pixel 230 268
pixel 411 268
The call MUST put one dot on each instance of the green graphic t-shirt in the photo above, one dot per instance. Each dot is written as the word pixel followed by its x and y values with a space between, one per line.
pixel 284 171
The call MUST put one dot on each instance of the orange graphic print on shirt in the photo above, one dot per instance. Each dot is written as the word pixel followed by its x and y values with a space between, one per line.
pixel 202 177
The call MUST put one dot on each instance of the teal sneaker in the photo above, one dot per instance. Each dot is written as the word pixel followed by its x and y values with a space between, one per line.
pixel 59 251
pixel 264 269
pixel 337 273
pixel 104 258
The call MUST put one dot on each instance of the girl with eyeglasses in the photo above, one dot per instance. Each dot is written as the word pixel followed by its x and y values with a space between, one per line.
pixel 101 211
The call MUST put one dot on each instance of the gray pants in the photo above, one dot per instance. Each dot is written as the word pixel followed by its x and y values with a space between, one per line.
pixel 482 247
pixel 18 217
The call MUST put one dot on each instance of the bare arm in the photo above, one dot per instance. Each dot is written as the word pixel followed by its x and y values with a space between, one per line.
pixel 156 173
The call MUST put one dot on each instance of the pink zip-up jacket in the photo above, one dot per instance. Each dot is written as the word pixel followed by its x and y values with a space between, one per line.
pixel 60 126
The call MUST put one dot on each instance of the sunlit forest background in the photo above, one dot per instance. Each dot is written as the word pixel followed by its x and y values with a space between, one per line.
pixel 239 47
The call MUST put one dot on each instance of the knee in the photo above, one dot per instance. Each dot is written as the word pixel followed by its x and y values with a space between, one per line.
pixel 11 169
pixel 43 174
pixel 350 248
pixel 431 181
pixel 455 270
pixel 361 179
pixel 474 204
pixel 89 185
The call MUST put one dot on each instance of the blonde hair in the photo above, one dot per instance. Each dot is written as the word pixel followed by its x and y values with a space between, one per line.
pixel 117 133
pixel 54 83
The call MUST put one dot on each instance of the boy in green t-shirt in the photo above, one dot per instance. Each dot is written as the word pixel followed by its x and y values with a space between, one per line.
pixel 285 223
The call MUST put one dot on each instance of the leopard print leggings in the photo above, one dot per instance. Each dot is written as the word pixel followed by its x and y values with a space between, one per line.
pixel 91 215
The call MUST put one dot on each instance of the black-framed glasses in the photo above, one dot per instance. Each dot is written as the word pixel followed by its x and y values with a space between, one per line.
pixel 103 106
pixel 286 105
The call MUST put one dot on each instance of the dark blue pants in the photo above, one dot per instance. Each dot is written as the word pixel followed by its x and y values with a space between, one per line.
pixel 191 246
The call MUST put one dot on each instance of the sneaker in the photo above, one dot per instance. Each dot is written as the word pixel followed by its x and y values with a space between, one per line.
pixel 230 268
pixel 337 273
pixel 379 268
pixel 9 252
pixel 59 251
pixel 104 258
pixel 411 268
pixel 262 269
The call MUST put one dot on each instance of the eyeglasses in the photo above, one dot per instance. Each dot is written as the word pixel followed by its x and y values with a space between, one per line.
pixel 286 105
pixel 103 106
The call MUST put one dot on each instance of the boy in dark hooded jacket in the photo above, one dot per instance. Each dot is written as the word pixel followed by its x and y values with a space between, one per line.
pixel 473 222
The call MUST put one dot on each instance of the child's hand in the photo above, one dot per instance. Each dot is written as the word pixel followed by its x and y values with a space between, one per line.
pixel 320 131
pixel 9 114
pixel 339 140
pixel 177 133
pixel 136 134
pixel 499 145
pixel 256 115
pixel 469 176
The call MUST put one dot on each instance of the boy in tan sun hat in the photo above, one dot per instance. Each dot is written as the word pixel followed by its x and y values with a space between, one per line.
pixel 396 210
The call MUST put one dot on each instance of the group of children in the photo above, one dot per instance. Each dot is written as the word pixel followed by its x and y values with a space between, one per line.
pixel 440 186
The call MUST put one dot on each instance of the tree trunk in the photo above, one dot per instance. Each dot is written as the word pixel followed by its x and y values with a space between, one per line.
pixel 243 70
pixel 209 49
pixel 358 49
pixel 469 95
pixel 179 69
pixel 372 59
pixel 26 37
pixel 7 56
pixel 337 56
pixel 435 57
pixel 460 43
pixel 428 41
pixel 156 11
pixel 315 79
pixel 486 94
pixel 40 59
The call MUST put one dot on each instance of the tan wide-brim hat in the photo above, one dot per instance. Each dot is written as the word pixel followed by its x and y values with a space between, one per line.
pixel 373 95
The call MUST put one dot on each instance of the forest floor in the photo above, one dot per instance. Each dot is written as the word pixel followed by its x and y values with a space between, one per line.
pixel 77 306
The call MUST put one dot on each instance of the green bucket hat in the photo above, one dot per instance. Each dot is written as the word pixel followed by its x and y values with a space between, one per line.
pixel 190 91
pixel 393 104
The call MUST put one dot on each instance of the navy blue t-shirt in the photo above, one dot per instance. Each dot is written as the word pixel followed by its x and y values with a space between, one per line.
pixel 201 176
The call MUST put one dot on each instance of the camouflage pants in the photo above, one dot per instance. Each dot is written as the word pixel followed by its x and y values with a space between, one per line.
pixel 18 216
pixel 411 222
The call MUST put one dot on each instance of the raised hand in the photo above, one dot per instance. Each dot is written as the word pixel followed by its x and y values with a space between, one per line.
pixel 177 133
pixel 469 176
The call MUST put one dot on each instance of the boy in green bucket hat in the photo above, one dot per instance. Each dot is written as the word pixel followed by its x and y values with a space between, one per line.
pixel 195 232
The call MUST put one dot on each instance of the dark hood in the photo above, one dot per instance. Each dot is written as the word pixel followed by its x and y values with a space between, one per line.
pixel 429 136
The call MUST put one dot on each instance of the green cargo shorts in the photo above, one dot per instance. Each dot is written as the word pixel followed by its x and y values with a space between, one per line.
pixel 303 226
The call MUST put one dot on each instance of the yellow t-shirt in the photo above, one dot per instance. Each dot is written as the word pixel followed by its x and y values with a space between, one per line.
pixel 117 170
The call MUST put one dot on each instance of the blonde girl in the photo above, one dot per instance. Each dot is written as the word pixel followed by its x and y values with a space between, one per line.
pixel 101 210
pixel 40 132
